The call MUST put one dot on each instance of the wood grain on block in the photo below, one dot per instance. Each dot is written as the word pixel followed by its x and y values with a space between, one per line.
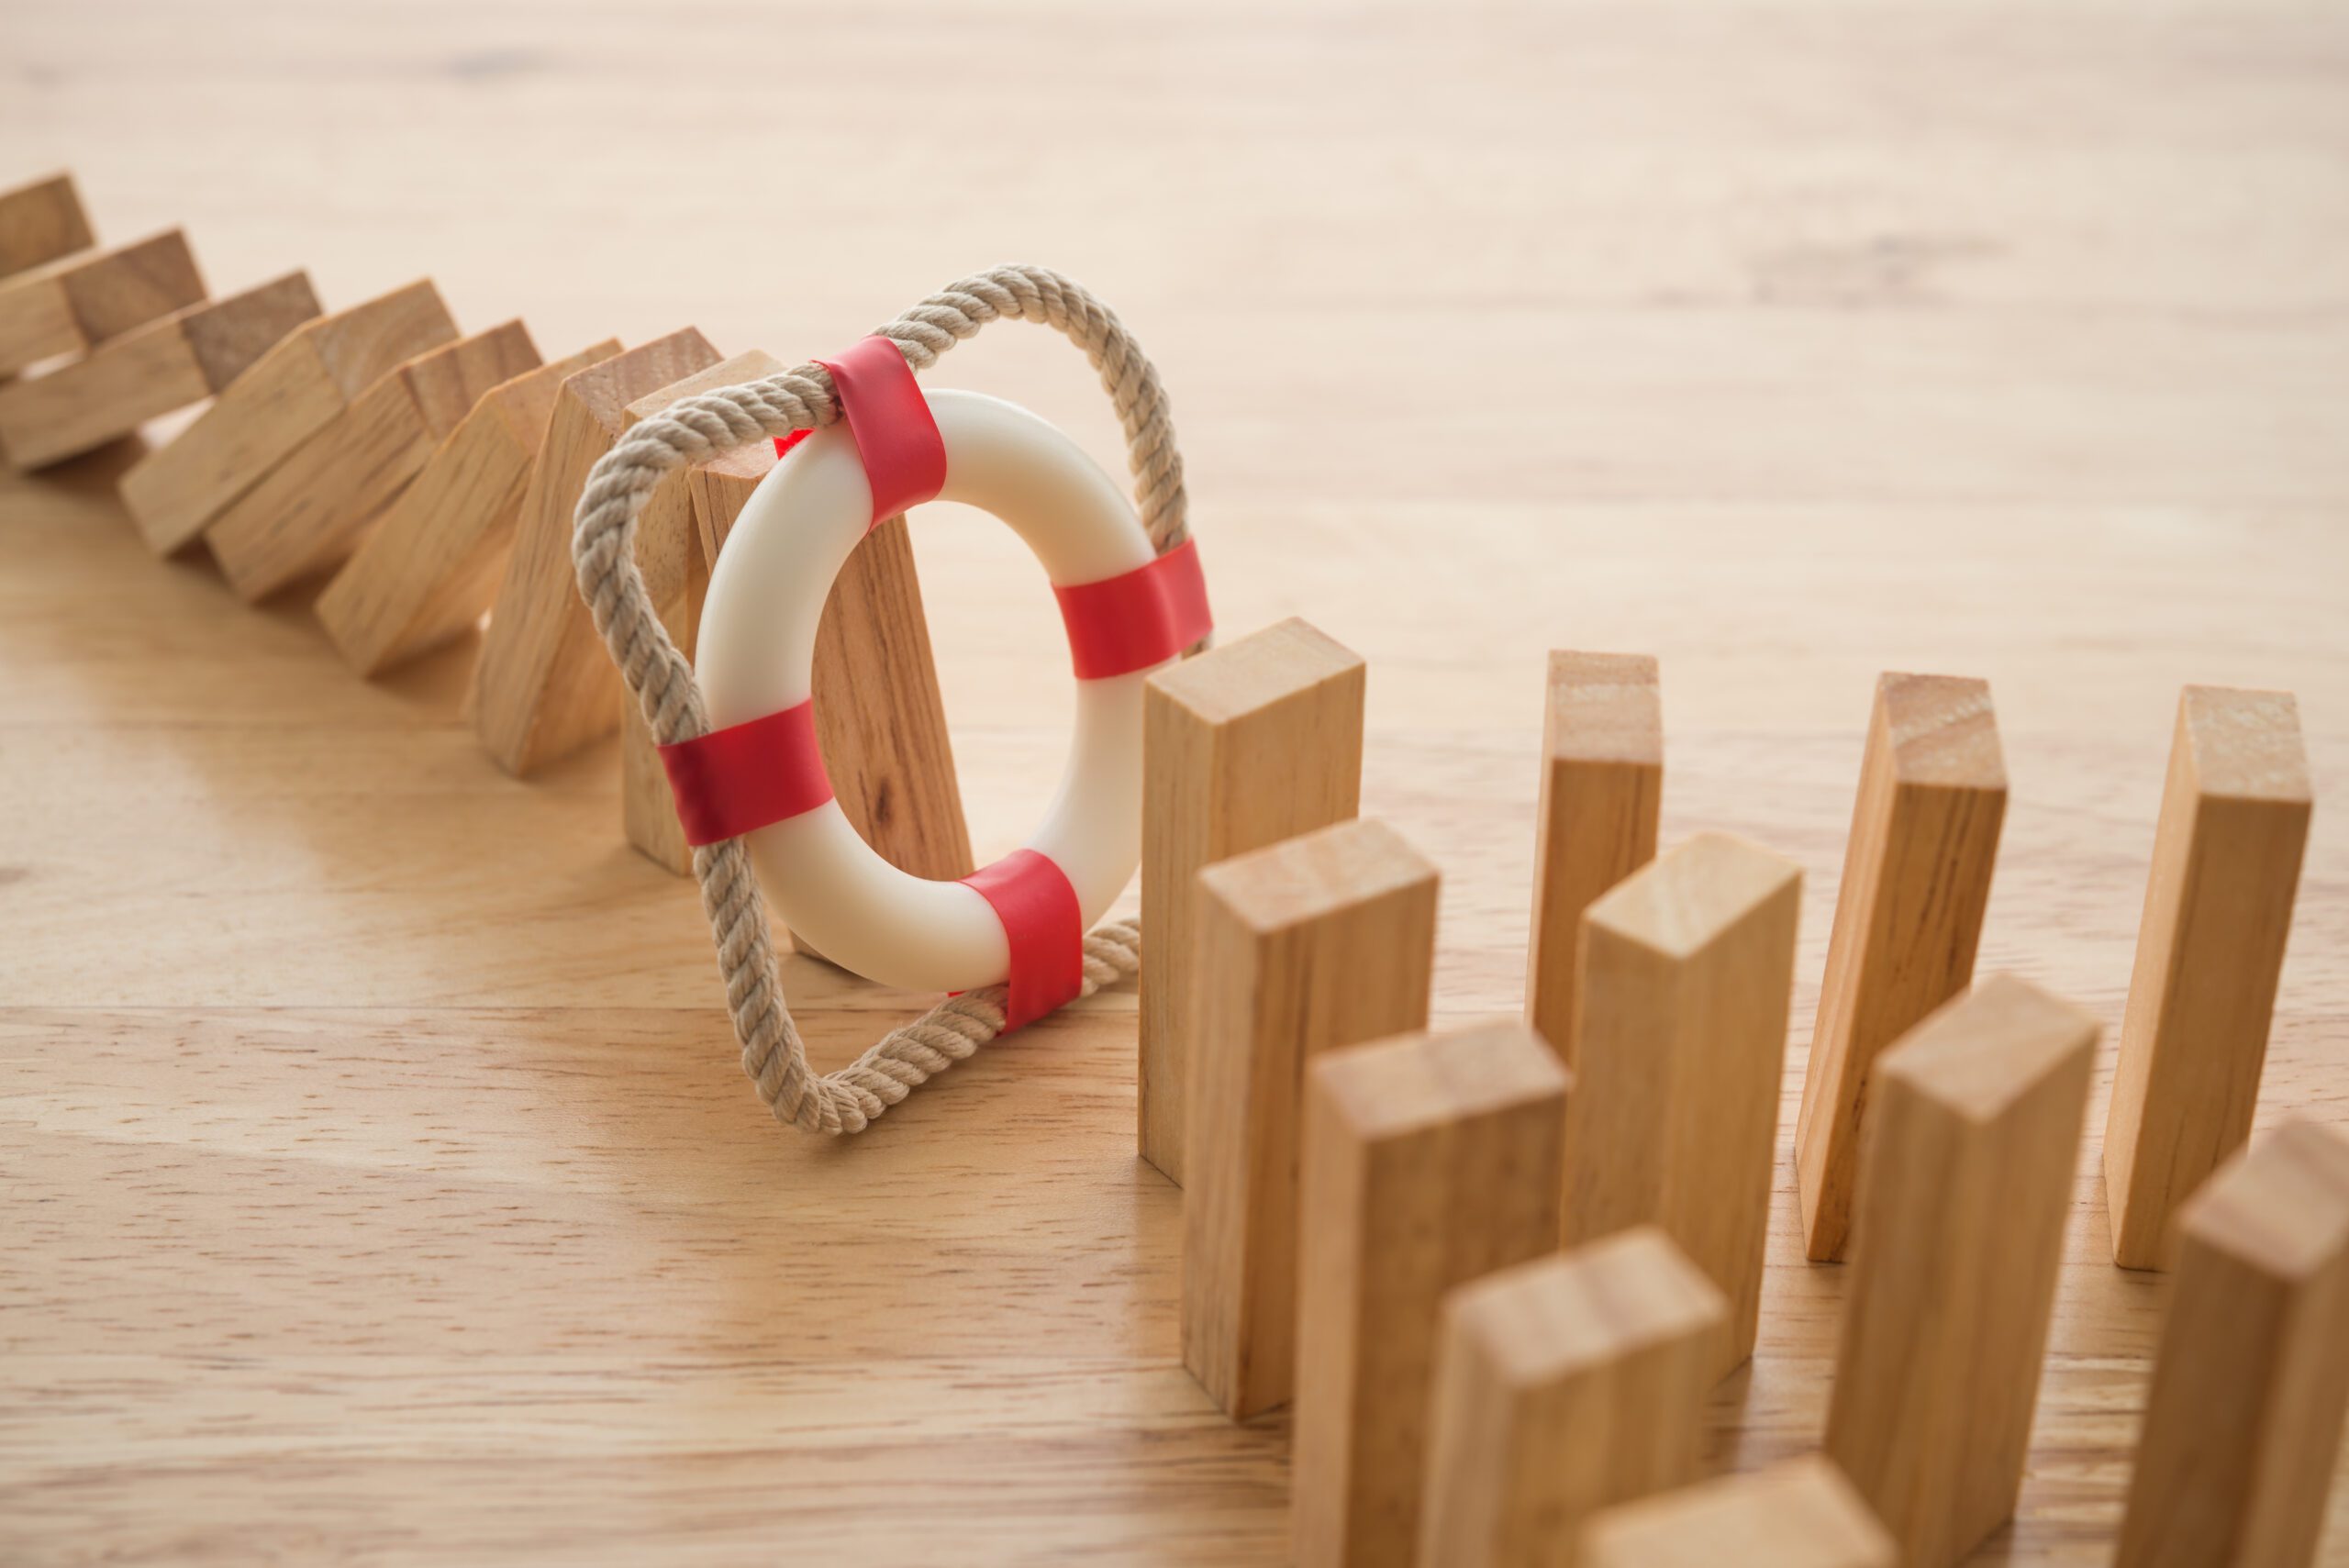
pixel 146 372
pixel 1323 940
pixel 2234 825
pixel 1973 1144
pixel 2244 1428
pixel 1428 1161
pixel 1602 788
pixel 1907 917
pixel 41 221
pixel 1687 976
pixel 544 686
pixel 176 492
pixel 313 508
pixel 1562 1386
pixel 71 306
pixel 1800 1513
pixel 1243 746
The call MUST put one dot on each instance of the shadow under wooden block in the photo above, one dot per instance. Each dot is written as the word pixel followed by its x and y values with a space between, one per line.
pixel 1907 917
pixel 145 373
pixel 310 511
pixel 41 221
pixel 71 306
pixel 544 686
pixel 1801 1513
pixel 427 571
pixel 176 492
pixel 2226 869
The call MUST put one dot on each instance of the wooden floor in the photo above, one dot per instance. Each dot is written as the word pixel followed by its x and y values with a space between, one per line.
pixel 378 1182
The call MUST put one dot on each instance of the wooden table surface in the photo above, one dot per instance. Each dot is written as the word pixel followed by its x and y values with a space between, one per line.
pixel 377 1182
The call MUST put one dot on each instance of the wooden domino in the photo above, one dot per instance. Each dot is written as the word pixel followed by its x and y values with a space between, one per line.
pixel 72 306
pixel 1687 973
pixel 1428 1161
pixel 1243 746
pixel 1907 918
pixel 2234 823
pixel 145 373
pixel 1563 1386
pixel 41 221
pixel 1972 1145
pixel 1801 1513
pixel 1314 943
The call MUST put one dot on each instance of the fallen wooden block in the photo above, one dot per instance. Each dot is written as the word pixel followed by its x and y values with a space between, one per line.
pixel 1314 943
pixel 143 374
pixel 41 221
pixel 427 571
pixel 1602 788
pixel 1973 1144
pixel 544 686
pixel 1687 973
pixel 70 307
pixel 1907 917
pixel 311 510
pixel 1243 746
pixel 2234 823
pixel 2243 1429
pixel 1428 1161
pixel 1799 1514
pixel 174 493
pixel 1563 1386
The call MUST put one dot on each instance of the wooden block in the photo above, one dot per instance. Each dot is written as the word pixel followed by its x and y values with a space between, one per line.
pixel 1318 941
pixel 174 493
pixel 544 686
pixel 71 306
pixel 311 510
pixel 1244 746
pixel 1799 1514
pixel 1907 917
pixel 1563 1386
pixel 2253 1378
pixel 2234 822
pixel 1973 1144
pixel 1602 786
pixel 1687 976
pixel 41 221
pixel 184 357
pixel 1428 1161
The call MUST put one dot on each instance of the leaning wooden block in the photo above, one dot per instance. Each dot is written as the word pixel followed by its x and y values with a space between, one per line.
pixel 1687 976
pixel 71 306
pixel 143 374
pixel 1972 1148
pixel 313 507
pixel 1799 1513
pixel 41 221
pixel 1907 917
pixel 1245 745
pixel 174 494
pixel 1318 941
pixel 2234 823
pixel 1563 1386
pixel 1428 1161
pixel 2251 1383
pixel 1602 788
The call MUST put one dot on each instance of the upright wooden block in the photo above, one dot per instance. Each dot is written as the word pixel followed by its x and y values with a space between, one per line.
pixel 41 221
pixel 1602 787
pixel 1972 1147
pixel 1687 976
pixel 544 686
pixel 1428 1161
pixel 312 509
pixel 2234 822
pixel 1799 1514
pixel 1563 1386
pixel 1907 917
pixel 71 306
pixel 1244 746
pixel 2250 1388
pixel 142 374
pixel 174 493
pixel 427 571
pixel 1317 941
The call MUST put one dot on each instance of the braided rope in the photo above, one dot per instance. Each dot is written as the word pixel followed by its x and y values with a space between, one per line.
pixel 696 429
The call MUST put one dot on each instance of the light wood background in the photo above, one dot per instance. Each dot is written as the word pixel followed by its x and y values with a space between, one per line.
pixel 378 1182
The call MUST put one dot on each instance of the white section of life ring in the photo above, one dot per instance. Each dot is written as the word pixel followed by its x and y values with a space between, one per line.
pixel 757 654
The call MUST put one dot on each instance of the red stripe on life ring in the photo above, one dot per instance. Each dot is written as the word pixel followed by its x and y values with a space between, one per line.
pixel 1045 926
pixel 888 418
pixel 736 780
pixel 1137 619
